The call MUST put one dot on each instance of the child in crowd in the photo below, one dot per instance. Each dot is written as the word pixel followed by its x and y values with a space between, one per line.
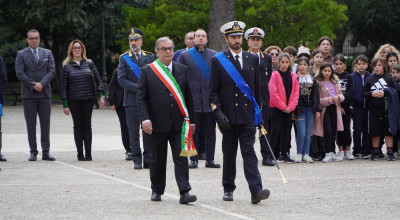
pixel 274 52
pixel 303 51
pixel 308 106
pixel 318 58
pixel 331 116
pixel 354 64
pixel 391 59
pixel 284 95
pixel 384 50
pixel 377 92
pixel 325 44
pixel 361 139
pixel 292 54
pixel 395 72
pixel 346 86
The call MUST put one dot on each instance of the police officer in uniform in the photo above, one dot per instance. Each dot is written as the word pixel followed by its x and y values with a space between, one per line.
pixel 254 41
pixel 234 73
pixel 129 69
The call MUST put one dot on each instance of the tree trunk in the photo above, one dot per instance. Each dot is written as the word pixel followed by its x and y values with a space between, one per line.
pixel 221 12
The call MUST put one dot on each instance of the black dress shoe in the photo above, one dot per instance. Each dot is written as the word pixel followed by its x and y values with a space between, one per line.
pixel 47 156
pixel 187 198
pixel 137 166
pixel 155 197
pixel 212 164
pixel 2 158
pixel 88 156
pixel 268 162
pixel 202 156
pixel 193 164
pixel 32 157
pixel 81 157
pixel 261 195
pixel 228 196
pixel 146 165
pixel 129 156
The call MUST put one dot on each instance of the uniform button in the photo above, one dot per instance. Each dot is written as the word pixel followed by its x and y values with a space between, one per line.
pixel 245 104
pixel 236 94
pixel 244 95
pixel 236 85
pixel 172 105
pixel 246 84
pixel 236 104
pixel 170 94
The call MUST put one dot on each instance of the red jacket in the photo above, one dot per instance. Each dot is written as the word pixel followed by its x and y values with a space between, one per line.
pixel 278 94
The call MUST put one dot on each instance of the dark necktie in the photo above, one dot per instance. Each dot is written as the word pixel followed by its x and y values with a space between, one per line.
pixel 138 57
pixel 168 69
pixel 36 55
pixel 237 63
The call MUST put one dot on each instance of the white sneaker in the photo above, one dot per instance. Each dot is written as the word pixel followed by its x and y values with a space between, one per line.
pixel 307 158
pixel 299 158
pixel 338 157
pixel 349 155
pixel 327 158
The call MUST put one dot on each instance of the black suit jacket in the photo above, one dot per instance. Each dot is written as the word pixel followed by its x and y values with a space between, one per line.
pixel 265 76
pixel 156 103
pixel 116 92
pixel 226 95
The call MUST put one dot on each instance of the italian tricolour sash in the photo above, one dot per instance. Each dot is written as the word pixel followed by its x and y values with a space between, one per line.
pixel 187 144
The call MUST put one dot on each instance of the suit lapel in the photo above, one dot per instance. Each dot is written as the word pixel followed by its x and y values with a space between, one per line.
pixel 31 57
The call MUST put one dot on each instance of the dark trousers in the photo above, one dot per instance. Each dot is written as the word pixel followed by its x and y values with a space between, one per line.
pixel 361 138
pixel 265 151
pixel 124 128
pixel 330 128
pixel 81 112
pixel 158 150
pixel 344 137
pixel 245 134
pixel 280 131
pixel 205 124
pixel 32 108
pixel 132 120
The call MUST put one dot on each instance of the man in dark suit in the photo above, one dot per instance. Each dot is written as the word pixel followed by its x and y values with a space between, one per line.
pixel 129 70
pixel 233 71
pixel 116 96
pixel 35 69
pixel 189 42
pixel 199 71
pixel 162 119
pixel 254 41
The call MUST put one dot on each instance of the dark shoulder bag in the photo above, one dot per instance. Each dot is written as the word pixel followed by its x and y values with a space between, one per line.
pixel 96 91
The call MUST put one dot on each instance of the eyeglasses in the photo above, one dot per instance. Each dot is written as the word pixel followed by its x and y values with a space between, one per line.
pixel 274 54
pixel 33 38
pixel 165 49
pixel 77 48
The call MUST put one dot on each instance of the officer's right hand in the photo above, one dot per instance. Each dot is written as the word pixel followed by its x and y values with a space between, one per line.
pixel 222 120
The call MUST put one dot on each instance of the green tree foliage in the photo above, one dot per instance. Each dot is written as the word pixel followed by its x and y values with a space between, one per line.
pixel 171 18
pixel 374 22
pixel 292 22
pixel 61 21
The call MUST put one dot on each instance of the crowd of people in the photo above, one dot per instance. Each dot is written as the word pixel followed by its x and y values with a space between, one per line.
pixel 180 98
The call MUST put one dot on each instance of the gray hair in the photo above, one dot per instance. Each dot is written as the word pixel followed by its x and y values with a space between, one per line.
pixel 162 39
pixel 32 31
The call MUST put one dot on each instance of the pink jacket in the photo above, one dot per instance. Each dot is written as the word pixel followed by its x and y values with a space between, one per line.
pixel 277 92
pixel 318 126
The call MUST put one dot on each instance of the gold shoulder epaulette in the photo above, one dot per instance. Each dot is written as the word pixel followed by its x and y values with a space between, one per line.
pixel 123 53
pixel 144 52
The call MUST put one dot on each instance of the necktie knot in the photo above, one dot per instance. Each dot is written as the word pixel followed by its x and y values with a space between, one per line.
pixel 168 69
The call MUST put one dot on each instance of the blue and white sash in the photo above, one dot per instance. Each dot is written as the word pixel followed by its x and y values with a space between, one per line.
pixel 201 63
pixel 134 67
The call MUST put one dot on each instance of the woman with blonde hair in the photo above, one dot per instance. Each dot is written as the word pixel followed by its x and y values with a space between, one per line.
pixel 385 50
pixel 274 52
pixel 80 84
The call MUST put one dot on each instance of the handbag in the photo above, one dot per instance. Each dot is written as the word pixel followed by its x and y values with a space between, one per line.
pixel 96 92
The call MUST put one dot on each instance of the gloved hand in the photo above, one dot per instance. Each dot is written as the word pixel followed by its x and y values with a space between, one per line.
pixel 222 120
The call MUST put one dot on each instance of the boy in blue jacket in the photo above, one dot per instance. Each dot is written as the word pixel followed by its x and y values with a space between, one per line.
pixel 361 139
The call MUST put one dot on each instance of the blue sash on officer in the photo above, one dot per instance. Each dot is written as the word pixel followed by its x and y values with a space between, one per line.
pixel 135 68
pixel 201 63
pixel 238 79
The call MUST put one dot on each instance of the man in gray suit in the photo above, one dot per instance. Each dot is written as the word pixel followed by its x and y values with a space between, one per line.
pixel 35 69
pixel 129 68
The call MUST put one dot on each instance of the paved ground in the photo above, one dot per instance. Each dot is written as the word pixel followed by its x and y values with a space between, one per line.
pixel 108 187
